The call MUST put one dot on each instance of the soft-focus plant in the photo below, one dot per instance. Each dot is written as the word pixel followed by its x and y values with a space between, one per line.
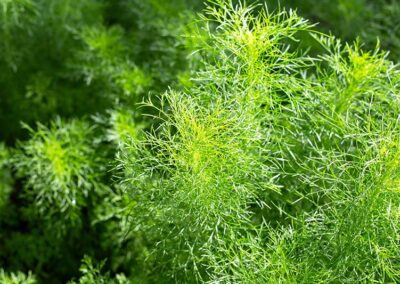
pixel 350 19
pixel 16 278
pixel 59 164
pixel 91 273
pixel 5 176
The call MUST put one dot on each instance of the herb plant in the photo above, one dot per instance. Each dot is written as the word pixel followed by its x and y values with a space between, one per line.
pixel 245 146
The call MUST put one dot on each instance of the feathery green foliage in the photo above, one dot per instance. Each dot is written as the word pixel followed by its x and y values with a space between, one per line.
pixel 92 274
pixel 269 139
pixel 239 145
pixel 59 166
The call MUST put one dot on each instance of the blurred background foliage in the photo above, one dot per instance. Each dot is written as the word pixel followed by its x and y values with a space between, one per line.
pixel 75 58
pixel 369 20
pixel 73 72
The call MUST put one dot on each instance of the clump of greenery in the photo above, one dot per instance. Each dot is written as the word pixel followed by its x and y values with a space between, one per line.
pixel 92 274
pixel 276 143
pixel 59 166
pixel 16 278
pixel 244 147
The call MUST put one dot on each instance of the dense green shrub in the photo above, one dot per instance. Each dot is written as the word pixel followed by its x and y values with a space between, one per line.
pixel 242 147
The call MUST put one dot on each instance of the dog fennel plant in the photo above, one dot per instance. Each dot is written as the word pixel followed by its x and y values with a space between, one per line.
pixel 60 167
pixel 273 167
pixel 263 163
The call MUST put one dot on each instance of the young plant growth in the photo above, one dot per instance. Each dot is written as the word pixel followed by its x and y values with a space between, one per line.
pixel 243 147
